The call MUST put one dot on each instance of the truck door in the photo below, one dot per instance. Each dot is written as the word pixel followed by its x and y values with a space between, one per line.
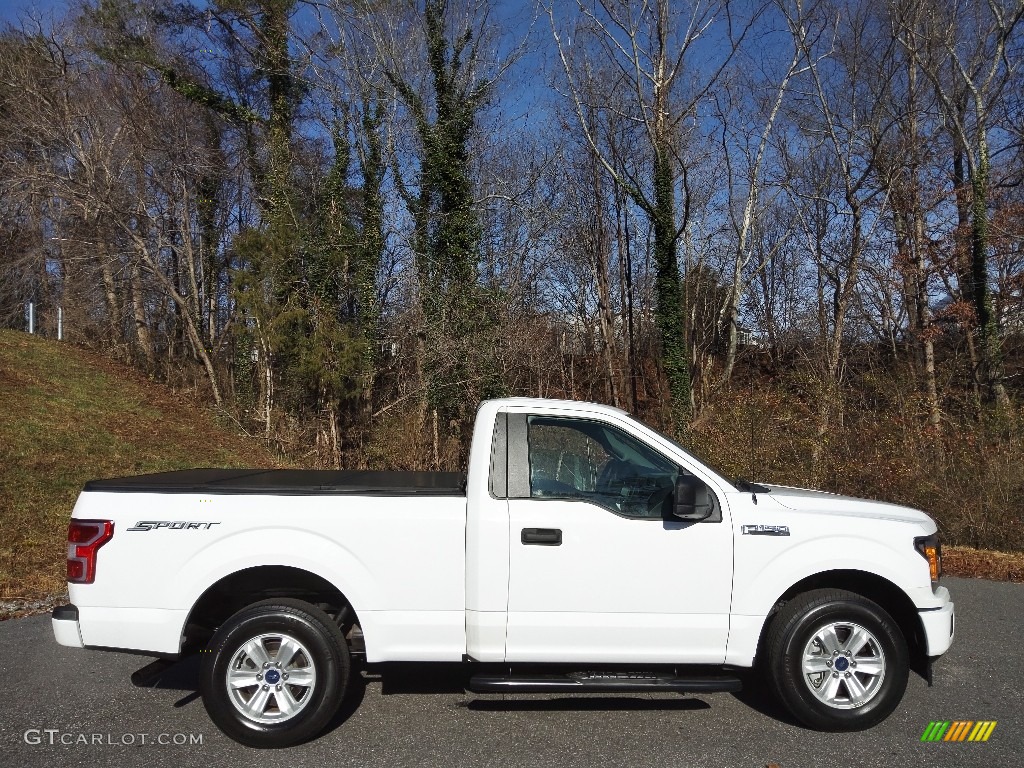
pixel 599 569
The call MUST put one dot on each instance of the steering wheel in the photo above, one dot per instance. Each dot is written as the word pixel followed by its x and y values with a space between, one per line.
pixel 611 472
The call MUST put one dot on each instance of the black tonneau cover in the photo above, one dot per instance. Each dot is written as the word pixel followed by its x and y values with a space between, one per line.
pixel 287 482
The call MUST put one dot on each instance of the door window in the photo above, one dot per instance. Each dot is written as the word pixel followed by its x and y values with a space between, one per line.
pixel 591 461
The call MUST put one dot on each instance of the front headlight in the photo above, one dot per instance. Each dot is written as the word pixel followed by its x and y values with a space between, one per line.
pixel 931 550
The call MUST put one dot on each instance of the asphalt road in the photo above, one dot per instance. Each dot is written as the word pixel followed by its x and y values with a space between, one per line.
pixel 415 717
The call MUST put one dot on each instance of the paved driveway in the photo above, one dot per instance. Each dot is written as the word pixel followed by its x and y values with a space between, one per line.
pixel 414 717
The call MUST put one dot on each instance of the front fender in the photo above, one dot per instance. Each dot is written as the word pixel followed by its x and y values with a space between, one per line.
pixel 761 581
pixel 767 567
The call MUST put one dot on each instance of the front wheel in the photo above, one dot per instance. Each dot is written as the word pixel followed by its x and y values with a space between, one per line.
pixel 275 673
pixel 836 660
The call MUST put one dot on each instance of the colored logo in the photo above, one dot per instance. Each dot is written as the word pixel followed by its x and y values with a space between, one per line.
pixel 959 730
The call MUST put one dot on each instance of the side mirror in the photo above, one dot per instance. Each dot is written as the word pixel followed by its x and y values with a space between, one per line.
pixel 684 504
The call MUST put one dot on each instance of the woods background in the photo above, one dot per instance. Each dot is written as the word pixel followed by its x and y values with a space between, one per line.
pixel 791 233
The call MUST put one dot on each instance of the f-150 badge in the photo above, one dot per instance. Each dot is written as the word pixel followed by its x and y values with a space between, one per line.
pixel 175 525
pixel 765 530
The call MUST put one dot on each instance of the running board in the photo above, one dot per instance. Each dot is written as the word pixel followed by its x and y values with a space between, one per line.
pixel 150 675
pixel 592 682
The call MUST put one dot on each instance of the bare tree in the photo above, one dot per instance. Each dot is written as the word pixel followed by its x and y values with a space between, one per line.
pixel 907 160
pixel 844 128
pixel 966 51
pixel 439 60
pixel 653 45
pixel 748 187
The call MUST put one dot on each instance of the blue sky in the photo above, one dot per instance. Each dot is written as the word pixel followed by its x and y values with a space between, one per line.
pixel 520 89
pixel 11 10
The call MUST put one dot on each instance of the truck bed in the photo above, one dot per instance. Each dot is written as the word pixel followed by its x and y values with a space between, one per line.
pixel 287 482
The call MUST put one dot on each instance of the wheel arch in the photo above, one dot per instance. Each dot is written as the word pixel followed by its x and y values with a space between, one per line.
pixel 873 587
pixel 235 591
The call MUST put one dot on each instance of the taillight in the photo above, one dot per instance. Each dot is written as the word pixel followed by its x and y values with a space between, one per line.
pixel 84 538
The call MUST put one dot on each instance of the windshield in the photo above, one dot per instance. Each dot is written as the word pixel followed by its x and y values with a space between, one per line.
pixel 688 452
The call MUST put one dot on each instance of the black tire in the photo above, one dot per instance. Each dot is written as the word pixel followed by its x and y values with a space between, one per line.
pixel 862 697
pixel 320 659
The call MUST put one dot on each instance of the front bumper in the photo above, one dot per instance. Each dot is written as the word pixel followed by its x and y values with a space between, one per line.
pixel 66 631
pixel 939 625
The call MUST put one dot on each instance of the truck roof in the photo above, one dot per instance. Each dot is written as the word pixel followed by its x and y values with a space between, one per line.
pixel 572 405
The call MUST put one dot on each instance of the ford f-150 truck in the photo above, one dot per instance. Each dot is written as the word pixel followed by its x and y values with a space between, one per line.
pixel 582 552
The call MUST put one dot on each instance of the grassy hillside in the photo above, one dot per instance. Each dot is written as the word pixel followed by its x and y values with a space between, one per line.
pixel 68 415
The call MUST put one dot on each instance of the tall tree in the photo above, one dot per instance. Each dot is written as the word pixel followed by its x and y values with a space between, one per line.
pixel 166 39
pixel 908 158
pixel 747 176
pixel 970 53
pixel 438 60
pixel 654 46
pixel 842 131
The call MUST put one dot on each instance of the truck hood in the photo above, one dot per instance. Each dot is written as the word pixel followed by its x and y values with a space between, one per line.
pixel 807 500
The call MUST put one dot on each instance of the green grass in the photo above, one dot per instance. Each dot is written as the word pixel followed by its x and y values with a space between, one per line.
pixel 68 415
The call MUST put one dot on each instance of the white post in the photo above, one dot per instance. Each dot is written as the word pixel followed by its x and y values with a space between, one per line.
pixel 60 323
pixel 31 317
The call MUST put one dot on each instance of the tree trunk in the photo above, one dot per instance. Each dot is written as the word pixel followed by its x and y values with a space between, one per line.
pixel 668 310
pixel 911 245
pixel 963 271
pixel 626 291
pixel 142 334
pixel 113 304
pixel 989 346
pixel 602 248
pixel 731 312
pixel 830 412
pixel 924 319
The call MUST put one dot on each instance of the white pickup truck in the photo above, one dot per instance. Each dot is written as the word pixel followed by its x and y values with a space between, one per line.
pixel 582 552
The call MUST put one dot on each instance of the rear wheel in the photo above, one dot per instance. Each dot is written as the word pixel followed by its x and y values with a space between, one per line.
pixel 836 660
pixel 275 673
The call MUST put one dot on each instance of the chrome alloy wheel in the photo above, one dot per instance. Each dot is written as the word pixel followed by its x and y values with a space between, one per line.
pixel 271 678
pixel 843 665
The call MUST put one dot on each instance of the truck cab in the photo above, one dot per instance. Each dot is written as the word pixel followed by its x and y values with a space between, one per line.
pixel 600 567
